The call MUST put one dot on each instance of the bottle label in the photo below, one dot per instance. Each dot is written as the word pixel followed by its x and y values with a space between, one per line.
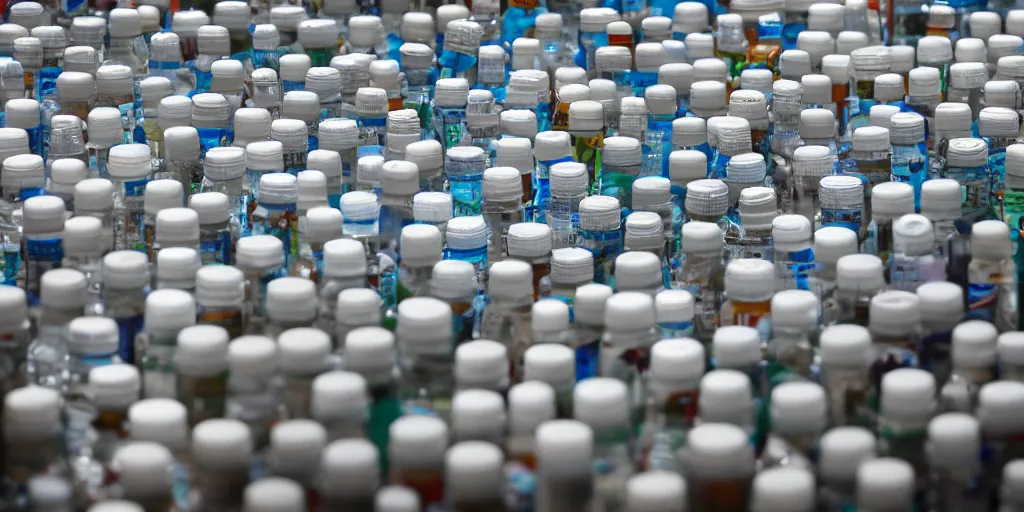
pixel 796 270
pixel 134 227
pixel 280 221
pixel 216 251
pixel 231 320
pixel 40 256
pixel 851 219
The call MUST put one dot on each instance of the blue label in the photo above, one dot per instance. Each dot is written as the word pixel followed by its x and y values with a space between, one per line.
pixel 981 301
pixel 128 329
pixel 217 251
pixel 26 193
pixel 850 219
pixel 135 188
pixel 156 64
pixel 588 360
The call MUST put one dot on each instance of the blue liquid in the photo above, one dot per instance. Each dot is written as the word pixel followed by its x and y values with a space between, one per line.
pixel 588 360
pixel 518 20
pixel 543 117
pixel 391 223
pixel 478 257
pixel 910 165
pixel 455 64
pixel 128 329
pixel 467 194
pixel 798 267
pixel 790 31
pixel 641 80
pixel 265 59
pixel 11 267
pixel 589 43
pixel 605 246
pixel 46 83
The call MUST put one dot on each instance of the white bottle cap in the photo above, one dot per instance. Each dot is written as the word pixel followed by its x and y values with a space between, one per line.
pixel 425 325
pixel 846 346
pixel 531 403
pixel 31 413
pixel 291 300
pixel 690 18
pixel 160 420
pixel 689 131
pixel 312 194
pixel 318 34
pixel 941 304
pixel 81 59
pixel 817 44
pixel 885 483
pixel 358 307
pixel 894 313
pixel 344 258
pixel 466 233
pixel 908 394
pixel 432 206
pixel 124 23
pixel 702 238
pixel 723 450
pixel 473 471
pixel 349 468
pixel 253 357
pixel 142 468
pixel 1001 46
pixel 759 80
pixel 914 234
pixel 974 345
pixel 529 240
pixel 395 498
pixel 707 197
pixel 114 80
pixel 678 75
pixel 589 304
pixel 860 272
pixel 799 408
pixel 477 414
pixel 953 117
pixel 600 213
pixel 176 267
pixel 990 240
pixel 906 128
pixel 510 279
pixel 551 363
pixel 889 87
pixel 400 178
pixel 998 93
pixel 970 49
pixel 278 188
pixel 783 488
pixel 274 494
pixel 998 403
pixel 985 24
pixel 942 16
pixel 177 226
pixel 222 444
pixel 22 172
pixel 174 111
pixel 998 122
pixel 550 319
pixel 163 194
pixel 359 205
pixel 674 306
pixel 795 64
pixel 826 17
pixel 795 309
pixel 294 67
pixel 934 50
pixel 564 448
pixel 601 403
pixel 129 162
pixel 586 116
pixel 638 270
pixel 836 68
pixel 892 200
pixel 421 245
pixel 629 311
pixel 677 362
pixel 481 364
pixel 92 336
pixel 726 397
pixel 749 280
pixel 76 86
pixel 656 491
pixel 417 442
pixel 848 42
pixel 842 450
pixel 202 350
pixel 219 286
pixel 707 97
pixel 125 269
pixel 259 252
pixel 939 199
pixel 116 506
pixel 181 143
pixel 167 309
pixel 59 288
pixel 303 350
pixel 954 441
pixel 736 346
pixel 295 445
pixel 105 127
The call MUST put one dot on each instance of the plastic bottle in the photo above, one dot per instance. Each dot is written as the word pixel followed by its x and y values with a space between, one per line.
pixel 907 405
pixel 201 371
pixel 846 355
pixel 726 482
pixel 32 418
pixel 531 404
pixel 991 275
pixel 630 329
pixel 416 452
pixel 64 175
pixel 76 91
pixel 973 365
pixel 351 472
pixel 428 157
pixel 425 338
pixel 655 490
pixel 261 258
pixel 564 451
pixel 455 282
pixel 221 450
pixel 621 166
pixel 218 294
pixel 942 308
pixel 889 202
pixel 914 259
pixel 600 233
pixel 144 476
pixel 586 125
pixel 747 284
pixel 399 183
pixel 531 242
pixel 167 313
pixel 341 136
pixel 130 170
pixel 676 367
pixel 602 405
pixel 952 121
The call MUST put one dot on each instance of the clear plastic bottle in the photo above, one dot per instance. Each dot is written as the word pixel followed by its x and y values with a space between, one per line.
pixel 76 91
pixel 973 365
pixel 131 170
pixel 907 405
pixel 351 474
pixel 952 121
pixel 428 157
pixel 464 167
pixel 895 324
pixel 176 227
pixel 603 405
pixel 356 307
pixel 294 137
pixel 967 162
pixel 449 111
pixel 201 371
pixel 999 424
pixel 501 207
pixel 341 136
pixel 600 233
pixel 671 408
pixel 531 404
pixel 726 396
pixel 361 211
pixel 218 229
pixel 954 443
pixel 144 476
pixel 586 125
pixel 889 202
pixel 846 355
pixel 564 452
pixel 843 449
pixel 517 152
pixel 64 175
pixel 416 455
pixel 482 364
pixel 164 421
pixel 427 354
pixel 726 484
pixel 294 453
pixel 942 308
pixel 799 417
pixel 914 260
pixel 568 186
pixel 221 452
pixel 252 397
pixel 167 313
pixel 23 114
pixel 344 267
pixel 304 354
pixel 751 237
pixel 400 181
pixel 554 365
pixel 621 166
pixel 701 272
pixel 291 303
pixel 940 205
pixel 63 298
pixel 992 275
pixel 42 249
pixel 275 212
pixel 842 204
pixel 261 259
pixel 219 292
pixel 630 330
pixel 749 285
pixel 707 201
pixel 32 418
pixel 531 242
